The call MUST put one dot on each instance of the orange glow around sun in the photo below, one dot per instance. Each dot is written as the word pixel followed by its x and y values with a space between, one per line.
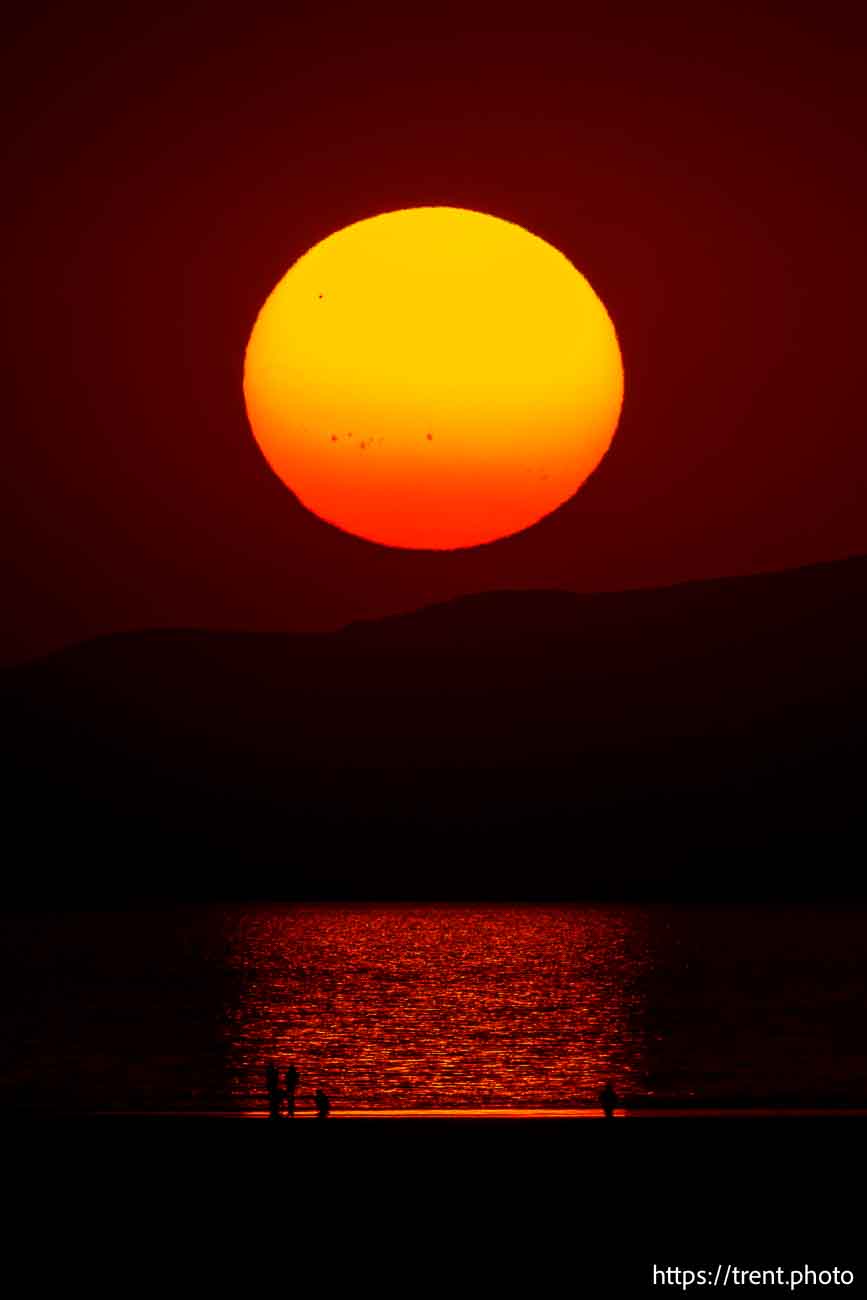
pixel 433 378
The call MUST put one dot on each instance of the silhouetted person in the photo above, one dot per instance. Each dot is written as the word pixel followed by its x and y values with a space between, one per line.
pixel 291 1078
pixel 608 1099
pixel 323 1105
pixel 272 1081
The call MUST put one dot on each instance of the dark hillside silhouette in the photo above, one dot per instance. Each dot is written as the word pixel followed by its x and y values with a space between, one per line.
pixel 696 741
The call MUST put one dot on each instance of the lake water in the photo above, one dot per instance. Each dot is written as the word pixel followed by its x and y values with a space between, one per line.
pixel 421 1006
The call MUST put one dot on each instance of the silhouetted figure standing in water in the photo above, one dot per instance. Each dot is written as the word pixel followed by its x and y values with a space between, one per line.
pixel 323 1105
pixel 272 1080
pixel 291 1077
pixel 608 1099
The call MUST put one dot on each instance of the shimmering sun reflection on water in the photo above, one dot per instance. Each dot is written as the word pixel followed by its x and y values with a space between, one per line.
pixel 438 1006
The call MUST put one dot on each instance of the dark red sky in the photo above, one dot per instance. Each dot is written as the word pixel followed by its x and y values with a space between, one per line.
pixel 703 165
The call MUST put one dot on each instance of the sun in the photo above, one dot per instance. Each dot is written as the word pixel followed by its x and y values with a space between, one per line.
pixel 433 378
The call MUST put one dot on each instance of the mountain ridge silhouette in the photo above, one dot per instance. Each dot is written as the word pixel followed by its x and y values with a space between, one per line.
pixel 510 744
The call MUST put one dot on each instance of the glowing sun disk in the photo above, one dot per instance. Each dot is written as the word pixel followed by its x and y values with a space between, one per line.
pixel 433 378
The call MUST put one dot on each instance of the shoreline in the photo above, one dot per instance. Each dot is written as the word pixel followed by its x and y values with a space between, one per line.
pixel 468 1115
